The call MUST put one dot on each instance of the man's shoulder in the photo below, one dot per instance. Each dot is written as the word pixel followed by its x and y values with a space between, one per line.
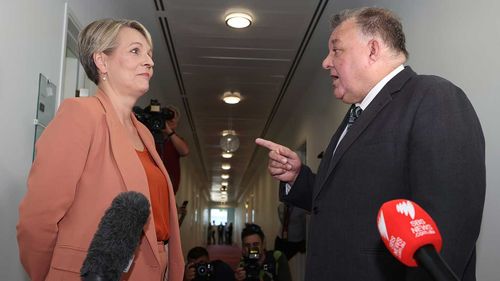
pixel 222 270
pixel 432 79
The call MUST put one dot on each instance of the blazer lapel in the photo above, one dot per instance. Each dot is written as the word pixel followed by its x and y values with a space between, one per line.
pixel 381 100
pixel 129 164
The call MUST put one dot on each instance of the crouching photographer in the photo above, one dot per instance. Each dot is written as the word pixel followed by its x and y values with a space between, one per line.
pixel 200 268
pixel 256 263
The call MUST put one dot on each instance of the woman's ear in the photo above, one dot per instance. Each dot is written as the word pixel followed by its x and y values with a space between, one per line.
pixel 100 62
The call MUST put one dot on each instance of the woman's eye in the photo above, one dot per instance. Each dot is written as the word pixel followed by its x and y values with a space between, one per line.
pixel 135 50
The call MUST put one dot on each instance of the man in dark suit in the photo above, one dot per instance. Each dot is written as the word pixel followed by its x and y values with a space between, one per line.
pixel 417 137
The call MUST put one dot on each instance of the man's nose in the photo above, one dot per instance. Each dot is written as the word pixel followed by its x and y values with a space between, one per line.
pixel 327 63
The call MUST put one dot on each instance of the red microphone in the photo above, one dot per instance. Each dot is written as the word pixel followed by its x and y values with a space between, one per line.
pixel 411 235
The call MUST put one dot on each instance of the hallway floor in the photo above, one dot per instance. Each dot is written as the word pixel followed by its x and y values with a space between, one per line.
pixel 230 254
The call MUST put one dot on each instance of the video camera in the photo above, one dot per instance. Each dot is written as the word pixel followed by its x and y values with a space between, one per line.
pixel 251 264
pixel 154 117
pixel 204 272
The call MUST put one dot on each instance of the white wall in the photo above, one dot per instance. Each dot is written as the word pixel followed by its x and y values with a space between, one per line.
pixel 193 229
pixel 31 44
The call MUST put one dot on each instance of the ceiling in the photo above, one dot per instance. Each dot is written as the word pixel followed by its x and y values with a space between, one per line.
pixel 198 58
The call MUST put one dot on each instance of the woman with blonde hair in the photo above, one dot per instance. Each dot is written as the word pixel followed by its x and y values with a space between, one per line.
pixel 93 150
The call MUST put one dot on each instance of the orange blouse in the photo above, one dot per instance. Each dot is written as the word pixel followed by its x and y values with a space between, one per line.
pixel 158 191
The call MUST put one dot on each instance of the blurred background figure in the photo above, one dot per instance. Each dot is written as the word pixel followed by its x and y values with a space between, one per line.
pixel 199 267
pixel 293 230
pixel 220 234
pixel 174 147
pixel 228 233
pixel 258 264
pixel 211 233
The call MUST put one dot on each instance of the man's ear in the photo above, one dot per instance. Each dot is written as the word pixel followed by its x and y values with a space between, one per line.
pixel 100 62
pixel 374 49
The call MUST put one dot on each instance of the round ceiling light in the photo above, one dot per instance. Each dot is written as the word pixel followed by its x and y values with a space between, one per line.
pixel 231 97
pixel 224 176
pixel 226 166
pixel 229 142
pixel 227 155
pixel 238 20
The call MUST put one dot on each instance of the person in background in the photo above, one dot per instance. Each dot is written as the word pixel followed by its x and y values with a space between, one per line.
pixel 198 261
pixel 220 234
pixel 405 136
pixel 211 233
pixel 93 150
pixel 293 230
pixel 229 233
pixel 174 147
pixel 257 263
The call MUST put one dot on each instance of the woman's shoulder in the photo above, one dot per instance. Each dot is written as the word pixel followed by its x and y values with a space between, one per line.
pixel 84 111
pixel 89 104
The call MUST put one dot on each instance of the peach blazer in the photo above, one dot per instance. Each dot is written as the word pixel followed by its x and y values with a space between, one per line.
pixel 83 160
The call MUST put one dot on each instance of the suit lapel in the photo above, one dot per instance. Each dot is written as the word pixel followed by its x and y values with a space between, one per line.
pixel 327 156
pixel 129 164
pixel 383 98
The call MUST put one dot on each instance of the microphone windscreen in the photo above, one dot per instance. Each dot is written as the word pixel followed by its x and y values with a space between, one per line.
pixel 117 236
pixel 405 227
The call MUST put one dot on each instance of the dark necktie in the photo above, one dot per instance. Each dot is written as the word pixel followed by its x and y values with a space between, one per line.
pixel 354 113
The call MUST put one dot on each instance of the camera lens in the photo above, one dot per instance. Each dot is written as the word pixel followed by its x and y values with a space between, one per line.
pixel 202 269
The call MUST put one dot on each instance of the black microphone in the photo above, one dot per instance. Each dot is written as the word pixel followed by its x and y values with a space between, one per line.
pixel 412 236
pixel 430 259
pixel 116 238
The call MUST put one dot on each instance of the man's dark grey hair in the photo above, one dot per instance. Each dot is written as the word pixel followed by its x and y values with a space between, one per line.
pixel 376 21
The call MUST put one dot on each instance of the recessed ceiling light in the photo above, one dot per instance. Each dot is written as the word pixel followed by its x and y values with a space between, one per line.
pixel 227 155
pixel 231 97
pixel 224 176
pixel 238 20
pixel 226 166
pixel 224 183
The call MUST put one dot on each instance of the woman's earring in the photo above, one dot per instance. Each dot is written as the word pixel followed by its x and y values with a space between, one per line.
pixel 104 77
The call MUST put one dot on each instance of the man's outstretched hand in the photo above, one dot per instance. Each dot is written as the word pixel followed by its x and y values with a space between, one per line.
pixel 284 164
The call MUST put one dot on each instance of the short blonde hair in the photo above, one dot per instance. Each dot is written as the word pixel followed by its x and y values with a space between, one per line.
pixel 100 36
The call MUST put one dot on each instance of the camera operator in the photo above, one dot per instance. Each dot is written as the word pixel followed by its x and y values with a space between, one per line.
pixel 199 267
pixel 173 147
pixel 257 264
pixel 162 122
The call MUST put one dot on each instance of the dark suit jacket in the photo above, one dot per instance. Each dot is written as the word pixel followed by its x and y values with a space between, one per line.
pixel 418 139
